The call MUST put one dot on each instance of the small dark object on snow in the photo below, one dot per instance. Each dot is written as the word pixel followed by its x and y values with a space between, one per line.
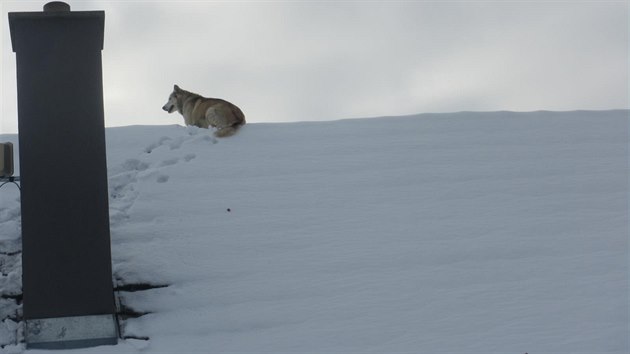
pixel 229 210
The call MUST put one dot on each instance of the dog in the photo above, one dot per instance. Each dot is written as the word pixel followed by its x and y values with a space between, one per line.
pixel 206 112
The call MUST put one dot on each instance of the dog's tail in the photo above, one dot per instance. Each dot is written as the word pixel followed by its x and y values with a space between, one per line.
pixel 228 131
pixel 232 129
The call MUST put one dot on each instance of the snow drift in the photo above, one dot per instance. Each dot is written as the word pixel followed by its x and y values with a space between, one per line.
pixel 468 232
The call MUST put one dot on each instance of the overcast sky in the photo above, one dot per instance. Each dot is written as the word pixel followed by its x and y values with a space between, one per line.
pixel 321 60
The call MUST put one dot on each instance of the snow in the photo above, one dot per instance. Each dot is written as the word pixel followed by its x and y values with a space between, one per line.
pixel 468 232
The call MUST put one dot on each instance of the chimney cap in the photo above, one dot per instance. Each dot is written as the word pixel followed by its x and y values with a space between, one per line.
pixel 56 6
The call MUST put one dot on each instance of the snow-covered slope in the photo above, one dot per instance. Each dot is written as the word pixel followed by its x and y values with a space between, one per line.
pixel 462 233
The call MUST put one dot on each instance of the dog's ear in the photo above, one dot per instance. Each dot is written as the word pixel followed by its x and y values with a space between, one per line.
pixel 176 88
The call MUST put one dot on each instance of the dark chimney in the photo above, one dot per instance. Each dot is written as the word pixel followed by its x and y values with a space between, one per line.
pixel 67 274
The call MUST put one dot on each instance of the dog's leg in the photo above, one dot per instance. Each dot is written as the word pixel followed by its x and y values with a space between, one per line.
pixel 225 132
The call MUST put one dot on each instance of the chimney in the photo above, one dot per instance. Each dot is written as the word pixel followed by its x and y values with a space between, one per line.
pixel 67 275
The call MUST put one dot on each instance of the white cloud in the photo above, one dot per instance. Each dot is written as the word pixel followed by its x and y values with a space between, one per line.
pixel 288 61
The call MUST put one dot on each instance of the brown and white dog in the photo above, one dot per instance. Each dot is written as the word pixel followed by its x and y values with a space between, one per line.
pixel 206 112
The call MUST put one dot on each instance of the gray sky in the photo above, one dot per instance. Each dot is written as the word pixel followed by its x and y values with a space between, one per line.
pixel 321 60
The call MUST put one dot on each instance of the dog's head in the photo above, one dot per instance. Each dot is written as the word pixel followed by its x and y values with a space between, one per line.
pixel 171 104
